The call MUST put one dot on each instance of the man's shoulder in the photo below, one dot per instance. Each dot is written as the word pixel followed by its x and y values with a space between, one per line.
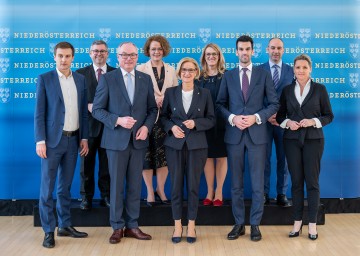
pixel 110 68
pixel 265 65
pixel 48 74
pixel 84 70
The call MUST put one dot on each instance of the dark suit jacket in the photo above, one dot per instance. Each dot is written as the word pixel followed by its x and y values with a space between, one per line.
pixel 112 101
pixel 91 82
pixel 50 108
pixel 173 113
pixel 316 104
pixel 231 101
pixel 286 77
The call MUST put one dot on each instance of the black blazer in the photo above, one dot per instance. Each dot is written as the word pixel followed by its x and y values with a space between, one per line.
pixel 173 113
pixel 91 82
pixel 315 105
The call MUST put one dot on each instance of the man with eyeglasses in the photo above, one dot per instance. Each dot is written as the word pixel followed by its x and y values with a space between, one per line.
pixel 125 103
pixel 99 55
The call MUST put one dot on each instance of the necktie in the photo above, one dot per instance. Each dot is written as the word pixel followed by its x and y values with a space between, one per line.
pixel 99 73
pixel 130 87
pixel 276 77
pixel 245 83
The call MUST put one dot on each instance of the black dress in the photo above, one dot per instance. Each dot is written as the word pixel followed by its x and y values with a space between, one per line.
pixel 155 155
pixel 215 136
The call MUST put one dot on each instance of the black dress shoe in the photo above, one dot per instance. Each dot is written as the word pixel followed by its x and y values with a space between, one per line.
pixel 255 233
pixel 49 240
pixel 282 201
pixel 238 230
pixel 151 204
pixel 157 197
pixel 86 204
pixel 266 199
pixel 105 202
pixel 313 237
pixel 71 231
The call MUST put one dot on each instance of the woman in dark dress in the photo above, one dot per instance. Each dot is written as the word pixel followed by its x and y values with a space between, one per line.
pixel 163 76
pixel 213 68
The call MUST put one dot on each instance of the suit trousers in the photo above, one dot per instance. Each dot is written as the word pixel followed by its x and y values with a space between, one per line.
pixel 276 135
pixel 61 163
pixel 125 168
pixel 256 160
pixel 87 170
pixel 304 165
pixel 189 163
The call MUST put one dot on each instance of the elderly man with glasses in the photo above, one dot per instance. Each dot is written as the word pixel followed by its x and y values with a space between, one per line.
pixel 125 103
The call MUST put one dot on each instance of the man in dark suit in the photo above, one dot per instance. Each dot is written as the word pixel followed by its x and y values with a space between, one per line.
pixel 61 126
pixel 282 75
pixel 240 101
pixel 99 54
pixel 124 102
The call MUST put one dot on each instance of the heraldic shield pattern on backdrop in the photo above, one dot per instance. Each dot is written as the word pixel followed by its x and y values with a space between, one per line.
pixel 27 47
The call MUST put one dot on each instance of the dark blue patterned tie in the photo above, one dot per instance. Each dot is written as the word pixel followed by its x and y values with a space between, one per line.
pixel 276 77
pixel 245 83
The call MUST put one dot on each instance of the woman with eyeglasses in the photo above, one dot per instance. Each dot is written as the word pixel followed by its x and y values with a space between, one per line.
pixel 213 67
pixel 163 76
pixel 188 111
pixel 304 109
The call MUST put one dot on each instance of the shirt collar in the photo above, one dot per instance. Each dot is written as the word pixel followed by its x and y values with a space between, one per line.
pixel 307 83
pixel 103 68
pixel 61 75
pixel 272 64
pixel 249 67
pixel 124 72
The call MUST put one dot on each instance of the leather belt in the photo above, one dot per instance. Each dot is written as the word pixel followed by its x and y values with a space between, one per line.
pixel 70 133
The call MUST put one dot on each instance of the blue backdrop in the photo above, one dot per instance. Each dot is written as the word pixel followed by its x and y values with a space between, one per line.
pixel 329 31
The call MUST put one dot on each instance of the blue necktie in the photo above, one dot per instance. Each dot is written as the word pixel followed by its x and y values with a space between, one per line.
pixel 276 77
pixel 130 87
pixel 245 83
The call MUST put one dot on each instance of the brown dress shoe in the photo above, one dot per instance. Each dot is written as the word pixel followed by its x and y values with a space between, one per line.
pixel 136 233
pixel 116 236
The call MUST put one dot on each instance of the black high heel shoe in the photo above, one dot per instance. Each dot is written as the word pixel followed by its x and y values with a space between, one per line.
pixel 158 198
pixel 191 239
pixel 297 233
pixel 177 239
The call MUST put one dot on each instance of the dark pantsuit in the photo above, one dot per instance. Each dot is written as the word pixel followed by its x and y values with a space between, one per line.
pixel 189 163
pixel 60 162
pixel 276 134
pixel 125 168
pixel 87 170
pixel 236 160
pixel 304 165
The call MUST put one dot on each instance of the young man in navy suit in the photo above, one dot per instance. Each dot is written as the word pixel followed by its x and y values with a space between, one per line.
pixel 61 127
pixel 240 101
pixel 99 55
pixel 125 103
pixel 282 75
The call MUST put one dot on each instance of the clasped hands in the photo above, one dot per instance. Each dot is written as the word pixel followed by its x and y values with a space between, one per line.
pixel 178 132
pixel 244 121
pixel 293 125
pixel 128 122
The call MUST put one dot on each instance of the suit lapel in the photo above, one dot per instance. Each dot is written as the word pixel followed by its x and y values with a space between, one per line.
pixel 253 81
pixel 119 79
pixel 236 83
pixel 308 96
pixel 179 103
pixel 57 85
pixel 78 89
pixel 194 100
pixel 138 82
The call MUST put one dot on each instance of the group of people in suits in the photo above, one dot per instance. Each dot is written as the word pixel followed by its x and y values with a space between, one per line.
pixel 139 121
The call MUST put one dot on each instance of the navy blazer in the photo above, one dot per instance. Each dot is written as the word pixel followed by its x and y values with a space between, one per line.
pixel 230 100
pixel 91 82
pixel 112 101
pixel 50 108
pixel 316 104
pixel 286 77
pixel 173 113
